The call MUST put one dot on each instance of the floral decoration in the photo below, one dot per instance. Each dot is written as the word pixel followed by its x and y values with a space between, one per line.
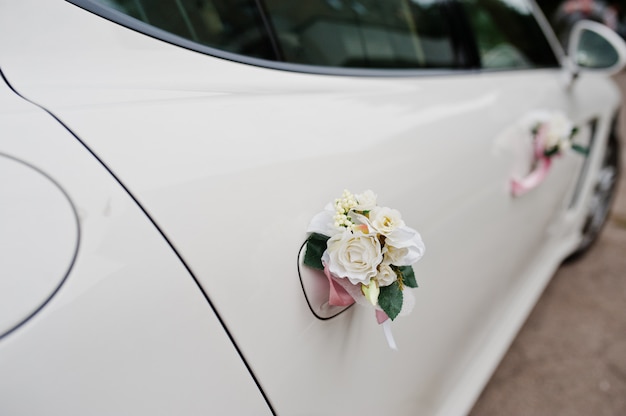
pixel 366 252
pixel 552 135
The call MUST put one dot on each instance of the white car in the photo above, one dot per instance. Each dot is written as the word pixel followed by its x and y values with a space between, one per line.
pixel 161 163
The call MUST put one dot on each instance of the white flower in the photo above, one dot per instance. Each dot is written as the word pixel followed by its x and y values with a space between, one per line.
pixel 323 222
pixel 565 145
pixel 385 220
pixel 355 256
pixel 343 206
pixel 404 246
pixel 393 255
pixel 386 275
pixel 557 131
pixel 365 201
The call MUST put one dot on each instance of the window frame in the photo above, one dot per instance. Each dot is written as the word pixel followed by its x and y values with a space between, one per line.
pixel 462 35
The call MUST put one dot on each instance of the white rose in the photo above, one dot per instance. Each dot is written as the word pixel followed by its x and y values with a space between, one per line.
pixel 385 220
pixel 355 256
pixel 365 201
pixel 557 131
pixel 565 145
pixel 386 275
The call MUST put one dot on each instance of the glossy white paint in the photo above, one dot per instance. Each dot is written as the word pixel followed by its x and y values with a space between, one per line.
pixel 231 162
pixel 39 240
pixel 129 332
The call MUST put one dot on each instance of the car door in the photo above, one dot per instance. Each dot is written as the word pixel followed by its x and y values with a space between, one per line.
pixel 231 150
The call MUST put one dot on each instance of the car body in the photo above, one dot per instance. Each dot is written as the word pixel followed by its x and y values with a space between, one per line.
pixel 157 194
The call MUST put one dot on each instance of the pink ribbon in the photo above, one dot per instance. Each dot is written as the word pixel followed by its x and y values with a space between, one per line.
pixel 381 316
pixel 538 175
pixel 337 296
pixel 542 167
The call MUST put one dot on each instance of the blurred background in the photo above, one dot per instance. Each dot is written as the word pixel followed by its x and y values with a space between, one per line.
pixel 570 356
pixel 564 13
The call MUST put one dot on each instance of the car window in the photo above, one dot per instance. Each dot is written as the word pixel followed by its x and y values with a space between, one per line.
pixel 334 33
pixel 364 33
pixel 231 25
pixel 507 35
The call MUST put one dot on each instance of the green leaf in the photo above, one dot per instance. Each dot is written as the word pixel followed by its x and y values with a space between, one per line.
pixel 581 149
pixel 315 247
pixel 573 133
pixel 390 300
pixel 408 276
pixel 535 129
pixel 551 152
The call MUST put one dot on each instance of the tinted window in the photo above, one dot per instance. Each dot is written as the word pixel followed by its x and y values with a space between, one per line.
pixel 364 33
pixel 335 33
pixel 507 34
pixel 232 25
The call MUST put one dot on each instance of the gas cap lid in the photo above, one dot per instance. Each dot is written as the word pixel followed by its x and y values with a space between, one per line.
pixel 38 241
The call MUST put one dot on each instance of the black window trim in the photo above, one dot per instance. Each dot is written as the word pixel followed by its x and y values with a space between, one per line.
pixel 463 38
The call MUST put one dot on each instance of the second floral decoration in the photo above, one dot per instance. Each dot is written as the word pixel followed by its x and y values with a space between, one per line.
pixel 552 135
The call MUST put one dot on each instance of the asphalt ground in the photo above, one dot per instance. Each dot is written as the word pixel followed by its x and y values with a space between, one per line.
pixel 570 356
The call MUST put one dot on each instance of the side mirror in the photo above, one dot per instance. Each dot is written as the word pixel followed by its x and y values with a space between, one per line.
pixel 594 47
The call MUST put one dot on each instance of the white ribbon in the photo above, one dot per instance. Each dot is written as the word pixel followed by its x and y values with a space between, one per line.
pixel 388 335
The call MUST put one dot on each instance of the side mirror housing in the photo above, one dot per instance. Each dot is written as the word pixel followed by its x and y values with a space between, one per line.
pixel 594 47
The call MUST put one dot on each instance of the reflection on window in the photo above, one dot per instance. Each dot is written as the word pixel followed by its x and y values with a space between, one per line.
pixel 594 51
pixel 363 33
pixel 231 25
pixel 507 34
pixel 337 33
